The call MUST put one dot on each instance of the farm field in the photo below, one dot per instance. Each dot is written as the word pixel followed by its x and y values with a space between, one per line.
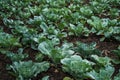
pixel 59 39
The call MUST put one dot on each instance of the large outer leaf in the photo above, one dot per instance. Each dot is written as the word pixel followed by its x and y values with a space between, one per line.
pixel 86 50
pixel 7 40
pixel 101 61
pixel 46 47
pixel 55 53
pixel 28 69
pixel 104 74
pixel 76 66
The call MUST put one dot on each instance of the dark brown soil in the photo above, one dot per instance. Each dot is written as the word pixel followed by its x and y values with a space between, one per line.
pixel 4 74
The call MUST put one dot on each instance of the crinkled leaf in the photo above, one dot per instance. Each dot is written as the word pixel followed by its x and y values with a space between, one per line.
pixel 28 69
pixel 76 66
pixel 104 73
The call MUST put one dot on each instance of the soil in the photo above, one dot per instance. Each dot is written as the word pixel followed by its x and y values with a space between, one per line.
pixel 4 74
